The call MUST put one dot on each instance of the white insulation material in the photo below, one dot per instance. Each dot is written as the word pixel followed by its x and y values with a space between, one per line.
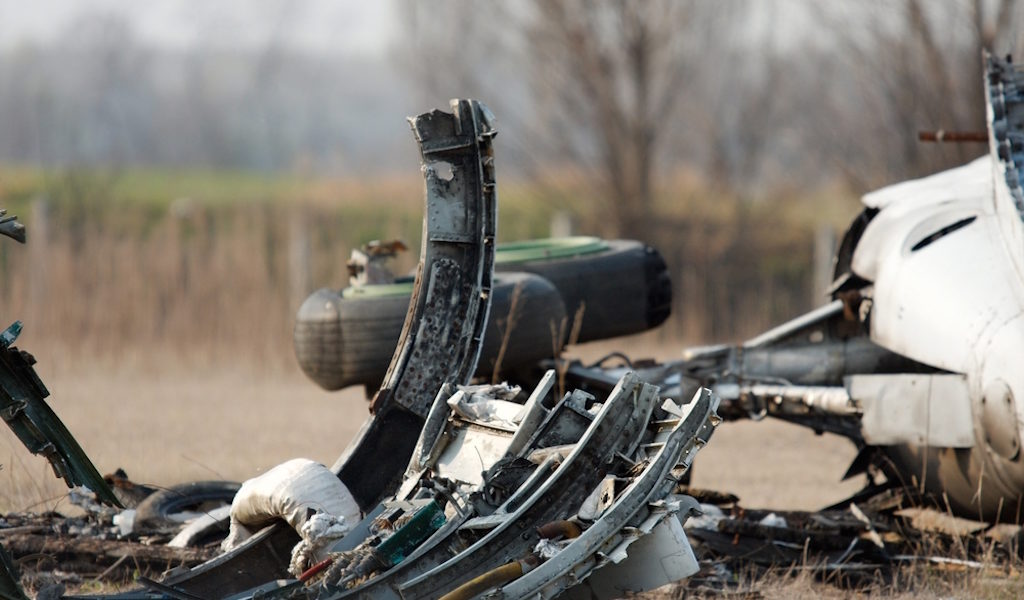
pixel 291 491
pixel 488 404
pixel 318 533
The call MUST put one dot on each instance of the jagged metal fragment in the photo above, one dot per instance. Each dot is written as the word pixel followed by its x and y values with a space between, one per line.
pixel 23 408
pixel 10 227
pixel 440 340
pixel 616 430
pixel 639 506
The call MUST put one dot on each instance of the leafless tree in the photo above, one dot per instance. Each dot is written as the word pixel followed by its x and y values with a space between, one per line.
pixel 604 83
pixel 913 66
pixel 610 77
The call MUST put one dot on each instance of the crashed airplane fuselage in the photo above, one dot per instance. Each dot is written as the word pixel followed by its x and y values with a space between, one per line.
pixel 462 492
pixel 914 360
pixel 917 358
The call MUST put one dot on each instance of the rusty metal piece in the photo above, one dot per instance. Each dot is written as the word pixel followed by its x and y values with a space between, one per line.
pixel 941 135
pixel 562 528
pixel 443 330
pixel 457 257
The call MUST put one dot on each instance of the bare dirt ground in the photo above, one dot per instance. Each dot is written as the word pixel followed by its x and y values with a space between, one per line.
pixel 166 423
pixel 771 464
pixel 166 426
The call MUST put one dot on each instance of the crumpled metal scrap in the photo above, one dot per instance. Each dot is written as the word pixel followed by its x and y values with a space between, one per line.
pixel 10 227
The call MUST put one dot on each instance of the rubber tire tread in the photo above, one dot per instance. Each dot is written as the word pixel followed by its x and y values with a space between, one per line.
pixel 341 342
pixel 623 290
pixel 154 512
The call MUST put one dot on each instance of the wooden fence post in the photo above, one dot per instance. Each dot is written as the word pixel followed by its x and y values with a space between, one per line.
pixel 824 248
pixel 299 256
pixel 38 261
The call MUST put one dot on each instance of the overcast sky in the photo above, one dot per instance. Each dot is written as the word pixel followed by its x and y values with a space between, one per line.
pixel 346 26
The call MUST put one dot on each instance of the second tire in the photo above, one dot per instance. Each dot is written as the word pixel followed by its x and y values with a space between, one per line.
pixel 347 338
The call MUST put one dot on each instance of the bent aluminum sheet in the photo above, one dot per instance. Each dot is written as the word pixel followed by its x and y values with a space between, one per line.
pixel 632 509
pixel 616 429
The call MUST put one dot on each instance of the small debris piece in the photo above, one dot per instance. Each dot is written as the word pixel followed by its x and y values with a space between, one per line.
pixel 127 491
pixel 708 519
pixel 872 534
pixel 367 266
pixel 929 519
pixel 87 550
pixel 318 532
pixel 709 496
pixel 10 227
pixel 773 520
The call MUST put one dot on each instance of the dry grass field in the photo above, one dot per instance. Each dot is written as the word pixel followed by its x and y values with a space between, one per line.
pixel 163 331
pixel 165 421
pixel 169 424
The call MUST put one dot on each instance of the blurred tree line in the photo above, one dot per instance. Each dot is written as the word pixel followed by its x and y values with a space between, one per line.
pixel 720 132
pixel 747 94
pixel 754 96
pixel 101 95
pixel 769 103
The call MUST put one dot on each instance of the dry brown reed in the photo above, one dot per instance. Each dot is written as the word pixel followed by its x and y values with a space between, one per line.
pixel 507 326
pixel 211 279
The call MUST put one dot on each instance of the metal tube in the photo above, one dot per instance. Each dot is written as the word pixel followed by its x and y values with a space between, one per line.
pixel 495 577
pixel 941 135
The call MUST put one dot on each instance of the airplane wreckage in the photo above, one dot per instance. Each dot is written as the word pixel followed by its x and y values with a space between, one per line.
pixel 455 489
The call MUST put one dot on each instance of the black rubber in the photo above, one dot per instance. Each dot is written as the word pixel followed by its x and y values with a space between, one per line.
pixel 347 341
pixel 622 290
pixel 343 341
pixel 157 512
pixel 530 333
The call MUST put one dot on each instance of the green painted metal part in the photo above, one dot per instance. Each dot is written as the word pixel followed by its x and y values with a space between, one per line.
pixel 379 290
pixel 505 254
pixel 547 248
pixel 23 408
pixel 422 525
